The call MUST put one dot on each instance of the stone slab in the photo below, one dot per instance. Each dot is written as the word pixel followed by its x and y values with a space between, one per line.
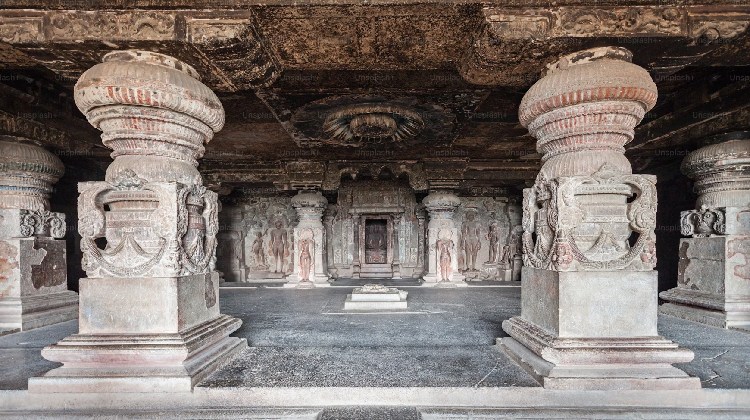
pixel 373 305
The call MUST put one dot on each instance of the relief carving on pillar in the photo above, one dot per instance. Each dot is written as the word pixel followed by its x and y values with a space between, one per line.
pixel 156 229
pixel 445 249
pixel 306 251
pixel 703 222
pixel 565 231
pixel 42 223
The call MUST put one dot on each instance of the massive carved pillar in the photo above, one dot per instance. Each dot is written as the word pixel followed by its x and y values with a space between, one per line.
pixel 149 306
pixel 309 241
pixel 713 283
pixel 589 290
pixel 33 270
pixel 442 240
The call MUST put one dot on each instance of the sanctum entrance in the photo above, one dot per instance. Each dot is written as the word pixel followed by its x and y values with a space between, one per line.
pixel 376 246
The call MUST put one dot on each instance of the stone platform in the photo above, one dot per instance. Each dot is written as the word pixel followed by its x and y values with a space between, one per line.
pixel 436 361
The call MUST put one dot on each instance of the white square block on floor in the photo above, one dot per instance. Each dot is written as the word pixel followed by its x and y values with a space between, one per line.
pixel 376 297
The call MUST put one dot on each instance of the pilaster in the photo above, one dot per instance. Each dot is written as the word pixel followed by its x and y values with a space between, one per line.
pixel 442 240
pixel 310 269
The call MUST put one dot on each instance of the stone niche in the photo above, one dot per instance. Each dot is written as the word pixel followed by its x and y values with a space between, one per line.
pixel 258 239
pixel 489 245
pixel 375 230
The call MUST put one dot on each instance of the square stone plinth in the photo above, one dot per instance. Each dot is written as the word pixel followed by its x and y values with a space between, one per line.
pixel 160 334
pixel 376 297
pixel 713 282
pixel 33 284
pixel 593 330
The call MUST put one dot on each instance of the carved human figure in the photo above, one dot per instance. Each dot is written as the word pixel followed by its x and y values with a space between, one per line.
pixel 470 233
pixel 444 247
pixel 305 259
pixel 493 235
pixel 260 256
pixel 278 246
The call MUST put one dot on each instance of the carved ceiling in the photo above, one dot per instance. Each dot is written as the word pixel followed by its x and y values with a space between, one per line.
pixel 427 90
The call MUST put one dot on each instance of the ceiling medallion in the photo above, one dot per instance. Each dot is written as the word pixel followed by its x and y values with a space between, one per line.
pixel 370 124
pixel 372 121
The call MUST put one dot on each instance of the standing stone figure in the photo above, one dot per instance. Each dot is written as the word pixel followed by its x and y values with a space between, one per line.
pixel 278 246
pixel 444 247
pixel 494 237
pixel 260 256
pixel 470 232
pixel 305 259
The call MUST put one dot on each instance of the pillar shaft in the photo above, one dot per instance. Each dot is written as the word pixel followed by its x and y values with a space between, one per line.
pixel 712 283
pixel 33 281
pixel 589 304
pixel 149 317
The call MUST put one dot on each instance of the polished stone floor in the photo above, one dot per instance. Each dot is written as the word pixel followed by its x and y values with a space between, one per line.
pixel 303 338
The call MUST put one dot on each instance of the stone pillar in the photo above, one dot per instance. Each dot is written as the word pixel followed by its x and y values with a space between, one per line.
pixel 713 283
pixel 230 259
pixel 442 239
pixel 589 290
pixel 396 264
pixel 33 269
pixel 149 306
pixel 515 214
pixel 309 241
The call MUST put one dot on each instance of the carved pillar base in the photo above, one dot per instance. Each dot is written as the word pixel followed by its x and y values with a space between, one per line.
pixel 593 330
pixel 33 271
pixel 713 285
pixel 143 335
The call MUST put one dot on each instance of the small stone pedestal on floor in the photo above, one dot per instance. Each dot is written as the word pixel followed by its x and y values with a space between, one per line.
pixel 713 281
pixel 33 268
pixel 376 297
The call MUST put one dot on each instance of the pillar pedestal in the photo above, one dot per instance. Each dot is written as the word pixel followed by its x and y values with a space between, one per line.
pixel 713 283
pixel 33 268
pixel 149 318
pixel 588 291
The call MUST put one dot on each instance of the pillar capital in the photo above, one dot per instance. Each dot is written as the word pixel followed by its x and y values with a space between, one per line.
pixel 154 113
pixel 27 174
pixel 584 111
pixel 721 173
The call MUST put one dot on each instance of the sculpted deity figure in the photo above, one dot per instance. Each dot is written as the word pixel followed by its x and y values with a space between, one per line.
pixel 305 259
pixel 444 247
pixel 470 233
pixel 260 256
pixel 493 235
pixel 278 246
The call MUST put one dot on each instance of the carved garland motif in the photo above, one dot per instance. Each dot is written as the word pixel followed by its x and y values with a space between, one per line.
pixel 178 247
pixel 553 213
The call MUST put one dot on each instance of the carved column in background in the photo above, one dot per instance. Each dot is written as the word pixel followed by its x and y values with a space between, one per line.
pixel 441 207
pixel 33 270
pixel 713 284
pixel 589 297
pixel 310 207
pixel 149 317
pixel 230 260
pixel 421 239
